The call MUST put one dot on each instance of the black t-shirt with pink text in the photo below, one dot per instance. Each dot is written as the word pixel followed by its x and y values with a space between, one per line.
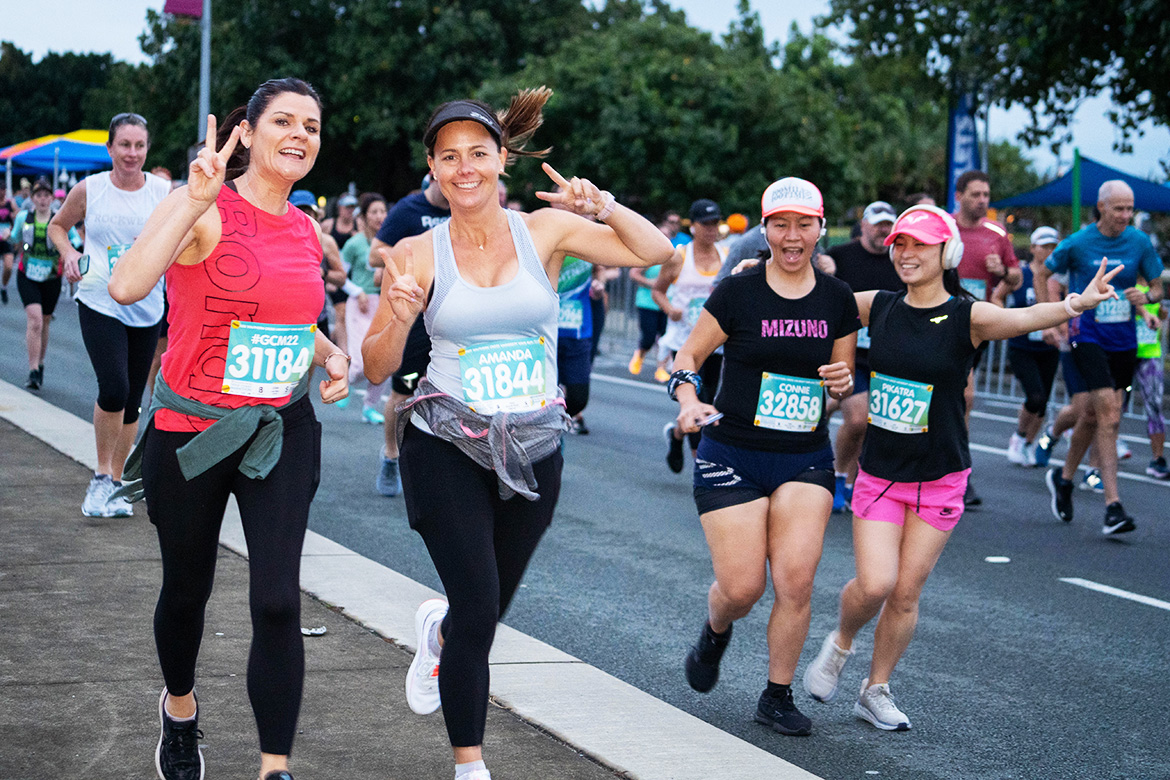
pixel 780 336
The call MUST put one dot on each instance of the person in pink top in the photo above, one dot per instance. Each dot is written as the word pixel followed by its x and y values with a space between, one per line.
pixel 988 258
pixel 230 414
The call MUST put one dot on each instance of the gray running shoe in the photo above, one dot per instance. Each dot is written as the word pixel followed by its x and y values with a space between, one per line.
pixel 118 506
pixel 876 705
pixel 389 481
pixel 822 675
pixel 97 496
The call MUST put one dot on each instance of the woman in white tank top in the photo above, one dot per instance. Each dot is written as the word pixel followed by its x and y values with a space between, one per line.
pixel 120 339
pixel 485 423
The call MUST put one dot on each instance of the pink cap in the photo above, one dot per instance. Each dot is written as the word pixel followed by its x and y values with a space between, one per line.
pixel 792 194
pixel 927 227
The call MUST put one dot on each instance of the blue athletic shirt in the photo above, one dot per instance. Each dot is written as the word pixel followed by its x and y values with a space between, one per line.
pixel 575 319
pixel 1024 296
pixel 1111 325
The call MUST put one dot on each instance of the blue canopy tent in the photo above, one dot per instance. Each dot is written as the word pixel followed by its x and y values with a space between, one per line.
pixel 79 151
pixel 1147 196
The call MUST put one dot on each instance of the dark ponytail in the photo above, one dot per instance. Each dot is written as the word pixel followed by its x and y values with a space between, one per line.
pixel 257 105
pixel 953 286
pixel 521 119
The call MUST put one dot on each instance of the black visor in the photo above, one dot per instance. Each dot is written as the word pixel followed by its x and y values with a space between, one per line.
pixel 462 111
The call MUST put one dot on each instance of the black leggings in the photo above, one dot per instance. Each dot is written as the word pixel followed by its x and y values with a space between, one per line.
pixel 651 325
pixel 121 358
pixel 1035 369
pixel 275 514
pixel 480 545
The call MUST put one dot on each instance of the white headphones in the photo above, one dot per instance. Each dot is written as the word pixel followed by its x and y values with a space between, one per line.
pixel 952 252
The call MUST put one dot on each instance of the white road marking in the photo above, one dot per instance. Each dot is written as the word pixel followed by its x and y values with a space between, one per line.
pixel 998 559
pixel 1121 594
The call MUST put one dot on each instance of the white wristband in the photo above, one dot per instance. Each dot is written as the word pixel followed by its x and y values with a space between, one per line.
pixel 351 288
pixel 1068 305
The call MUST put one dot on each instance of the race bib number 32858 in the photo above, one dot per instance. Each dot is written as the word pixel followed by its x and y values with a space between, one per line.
pixel 266 360
pixel 789 403
pixel 507 377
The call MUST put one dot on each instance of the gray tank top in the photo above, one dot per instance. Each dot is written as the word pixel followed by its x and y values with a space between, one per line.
pixel 495 348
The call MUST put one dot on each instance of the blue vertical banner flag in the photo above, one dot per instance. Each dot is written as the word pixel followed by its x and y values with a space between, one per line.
pixel 962 143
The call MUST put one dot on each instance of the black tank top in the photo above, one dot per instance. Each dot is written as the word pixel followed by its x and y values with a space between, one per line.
pixel 919 347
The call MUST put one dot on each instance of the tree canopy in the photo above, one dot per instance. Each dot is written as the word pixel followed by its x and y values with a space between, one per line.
pixel 1047 57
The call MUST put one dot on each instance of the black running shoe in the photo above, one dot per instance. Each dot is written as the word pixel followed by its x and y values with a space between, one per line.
pixel 970 497
pixel 674 453
pixel 177 756
pixel 4 295
pixel 778 712
pixel 34 380
pixel 702 664
pixel 1061 490
pixel 1117 521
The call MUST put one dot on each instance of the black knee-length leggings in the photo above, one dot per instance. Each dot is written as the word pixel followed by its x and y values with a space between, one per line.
pixel 121 358
pixel 480 545
pixel 275 514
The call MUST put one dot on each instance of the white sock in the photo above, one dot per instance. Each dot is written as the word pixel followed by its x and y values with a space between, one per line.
pixel 463 770
pixel 176 718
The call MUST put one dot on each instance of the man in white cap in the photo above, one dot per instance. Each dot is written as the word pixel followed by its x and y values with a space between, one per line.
pixel 1104 341
pixel 863 264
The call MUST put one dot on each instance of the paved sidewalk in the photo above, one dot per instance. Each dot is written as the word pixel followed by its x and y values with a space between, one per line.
pixel 79 679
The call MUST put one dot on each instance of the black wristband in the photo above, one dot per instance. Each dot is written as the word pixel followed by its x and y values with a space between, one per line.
pixel 683 377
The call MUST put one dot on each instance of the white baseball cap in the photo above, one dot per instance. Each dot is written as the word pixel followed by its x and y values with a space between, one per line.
pixel 1044 235
pixel 792 194
pixel 879 211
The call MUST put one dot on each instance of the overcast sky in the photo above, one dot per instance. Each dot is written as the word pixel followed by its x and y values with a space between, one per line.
pixel 114 26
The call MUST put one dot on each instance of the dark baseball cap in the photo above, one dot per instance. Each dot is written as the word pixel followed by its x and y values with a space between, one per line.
pixel 461 111
pixel 704 210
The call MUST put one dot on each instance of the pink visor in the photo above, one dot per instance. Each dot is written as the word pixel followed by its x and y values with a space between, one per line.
pixel 923 225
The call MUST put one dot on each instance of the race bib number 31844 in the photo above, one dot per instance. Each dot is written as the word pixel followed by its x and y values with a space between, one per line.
pixel 266 360
pixel 506 377
pixel 899 405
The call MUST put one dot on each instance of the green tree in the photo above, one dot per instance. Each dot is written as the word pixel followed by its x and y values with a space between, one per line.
pixel 1048 57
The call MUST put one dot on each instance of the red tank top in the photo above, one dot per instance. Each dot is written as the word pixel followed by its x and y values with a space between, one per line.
pixel 265 269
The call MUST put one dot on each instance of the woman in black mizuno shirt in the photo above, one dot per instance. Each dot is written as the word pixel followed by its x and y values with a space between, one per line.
pixel 764 474
pixel 915 460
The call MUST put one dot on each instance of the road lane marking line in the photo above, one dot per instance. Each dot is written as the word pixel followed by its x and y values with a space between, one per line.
pixel 1121 594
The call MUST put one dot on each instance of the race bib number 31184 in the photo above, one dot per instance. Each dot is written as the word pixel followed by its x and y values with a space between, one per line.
pixel 265 360
pixel 506 377
pixel 899 405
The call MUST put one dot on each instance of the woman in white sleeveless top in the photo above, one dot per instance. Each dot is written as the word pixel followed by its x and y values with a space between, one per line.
pixel 120 339
pixel 480 457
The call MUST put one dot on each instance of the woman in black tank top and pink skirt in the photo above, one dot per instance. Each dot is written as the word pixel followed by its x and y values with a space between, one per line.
pixel 915 461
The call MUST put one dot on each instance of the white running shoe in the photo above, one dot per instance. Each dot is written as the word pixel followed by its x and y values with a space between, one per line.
pixel 821 676
pixel 1123 451
pixel 117 506
pixel 422 679
pixel 876 705
pixel 97 495
pixel 1015 450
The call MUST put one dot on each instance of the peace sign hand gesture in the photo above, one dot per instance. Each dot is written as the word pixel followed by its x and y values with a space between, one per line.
pixel 402 294
pixel 577 195
pixel 1100 289
pixel 209 167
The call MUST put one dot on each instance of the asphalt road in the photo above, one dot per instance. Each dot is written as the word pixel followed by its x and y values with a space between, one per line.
pixel 1014 672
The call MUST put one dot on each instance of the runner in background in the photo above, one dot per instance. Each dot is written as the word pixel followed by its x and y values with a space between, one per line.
pixel 38 276
pixel 681 289
pixel 363 288
pixel 863 264
pixel 651 323
pixel 1151 318
pixel 8 211
pixel 1032 358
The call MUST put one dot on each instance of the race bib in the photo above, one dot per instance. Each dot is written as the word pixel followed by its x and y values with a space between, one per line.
pixel 899 405
pixel 265 360
pixel 38 269
pixel 977 287
pixel 571 315
pixel 789 403
pixel 1145 334
pixel 505 377
pixel 863 338
pixel 1113 311
pixel 116 251
pixel 1036 335
pixel 694 309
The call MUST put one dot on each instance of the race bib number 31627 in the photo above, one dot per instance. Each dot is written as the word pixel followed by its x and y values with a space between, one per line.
pixel 789 403
pixel 507 377
pixel 266 360
pixel 899 405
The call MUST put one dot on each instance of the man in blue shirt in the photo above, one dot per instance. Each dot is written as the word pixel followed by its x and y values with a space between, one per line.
pixel 1104 341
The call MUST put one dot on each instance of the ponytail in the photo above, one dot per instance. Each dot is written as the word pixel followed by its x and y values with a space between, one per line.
pixel 521 119
pixel 953 286
pixel 238 162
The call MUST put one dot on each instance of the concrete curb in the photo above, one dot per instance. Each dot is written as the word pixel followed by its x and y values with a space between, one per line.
pixel 615 723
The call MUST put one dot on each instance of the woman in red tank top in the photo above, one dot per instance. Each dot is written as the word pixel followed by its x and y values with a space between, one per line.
pixel 244 287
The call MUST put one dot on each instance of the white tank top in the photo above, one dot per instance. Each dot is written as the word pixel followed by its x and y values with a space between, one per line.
pixel 689 292
pixel 113 219
pixel 493 347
